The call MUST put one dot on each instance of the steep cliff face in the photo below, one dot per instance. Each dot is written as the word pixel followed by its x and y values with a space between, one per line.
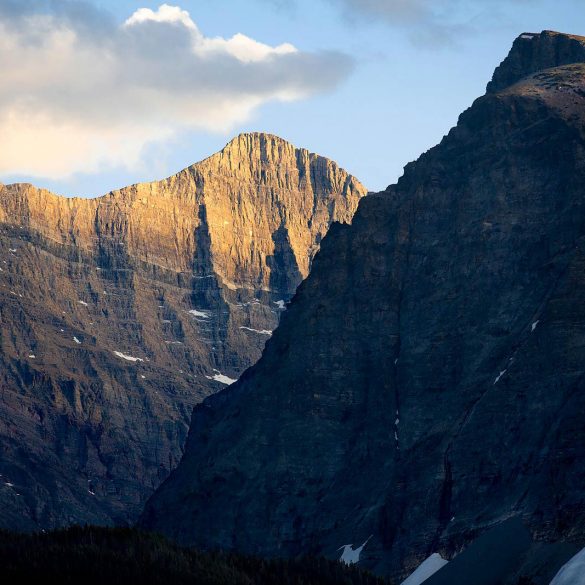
pixel 119 313
pixel 428 379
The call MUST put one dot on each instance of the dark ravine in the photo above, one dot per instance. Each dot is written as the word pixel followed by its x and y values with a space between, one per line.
pixel 119 313
pixel 428 379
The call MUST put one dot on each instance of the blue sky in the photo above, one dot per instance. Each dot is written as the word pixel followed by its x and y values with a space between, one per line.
pixel 372 83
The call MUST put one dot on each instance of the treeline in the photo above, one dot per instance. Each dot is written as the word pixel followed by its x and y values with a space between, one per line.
pixel 100 556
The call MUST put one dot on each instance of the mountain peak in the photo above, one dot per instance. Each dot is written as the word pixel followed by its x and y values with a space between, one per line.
pixel 255 142
pixel 532 52
pixel 257 147
pixel 262 157
pixel 164 291
pixel 256 137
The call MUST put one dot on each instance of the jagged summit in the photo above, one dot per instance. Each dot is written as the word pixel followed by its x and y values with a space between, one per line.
pixel 263 157
pixel 257 138
pixel 247 143
pixel 260 141
pixel 532 52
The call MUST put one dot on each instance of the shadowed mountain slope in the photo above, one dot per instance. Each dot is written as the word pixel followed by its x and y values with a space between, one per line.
pixel 428 379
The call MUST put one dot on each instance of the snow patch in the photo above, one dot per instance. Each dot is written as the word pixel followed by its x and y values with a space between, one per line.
pixel 426 569
pixel 526 36
pixel 260 331
pixel 350 556
pixel 197 313
pixel 252 302
pixel 127 357
pixel 219 377
pixel 280 304
pixel 534 325
pixel 12 250
pixel 76 340
pixel 82 303
pixel 32 356
pixel 499 376
pixel 573 572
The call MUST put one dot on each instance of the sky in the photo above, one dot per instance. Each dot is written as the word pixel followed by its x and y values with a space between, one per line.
pixel 99 94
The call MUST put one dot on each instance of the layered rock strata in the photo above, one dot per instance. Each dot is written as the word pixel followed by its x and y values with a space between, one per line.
pixel 118 314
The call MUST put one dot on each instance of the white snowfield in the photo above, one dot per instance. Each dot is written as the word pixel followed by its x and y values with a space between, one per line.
pixel 219 377
pixel 350 556
pixel 426 570
pixel 127 357
pixel 260 331
pixel 499 376
pixel 573 573
pixel 200 314
pixel 280 304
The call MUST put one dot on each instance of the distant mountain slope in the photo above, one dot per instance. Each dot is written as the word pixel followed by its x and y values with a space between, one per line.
pixel 119 313
pixel 428 379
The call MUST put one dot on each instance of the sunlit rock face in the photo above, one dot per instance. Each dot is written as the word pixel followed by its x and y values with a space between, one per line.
pixel 427 380
pixel 119 313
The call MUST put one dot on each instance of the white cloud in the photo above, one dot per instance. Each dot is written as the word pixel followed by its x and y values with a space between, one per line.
pixel 243 48
pixel 165 13
pixel 80 93
pixel 239 46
